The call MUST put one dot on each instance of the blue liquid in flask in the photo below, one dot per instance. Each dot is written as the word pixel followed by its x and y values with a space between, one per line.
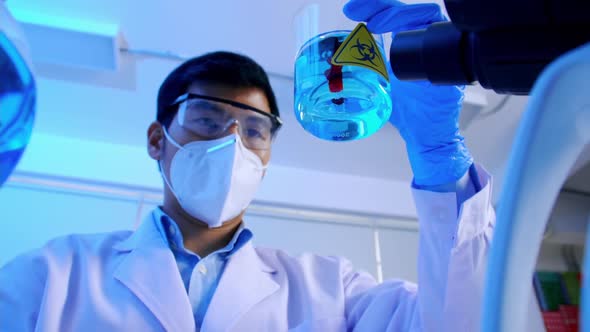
pixel 338 103
pixel 17 106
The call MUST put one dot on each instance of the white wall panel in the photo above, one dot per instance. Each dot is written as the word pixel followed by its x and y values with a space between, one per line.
pixel 399 253
pixel 32 216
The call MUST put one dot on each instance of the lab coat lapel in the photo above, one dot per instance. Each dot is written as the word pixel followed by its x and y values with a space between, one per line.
pixel 246 281
pixel 149 270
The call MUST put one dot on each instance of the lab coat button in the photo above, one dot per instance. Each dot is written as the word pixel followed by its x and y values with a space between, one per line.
pixel 202 269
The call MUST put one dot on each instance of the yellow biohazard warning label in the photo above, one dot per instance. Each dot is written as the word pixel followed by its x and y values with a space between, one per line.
pixel 360 49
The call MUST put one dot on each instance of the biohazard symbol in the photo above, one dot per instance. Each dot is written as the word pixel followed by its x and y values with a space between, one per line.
pixel 360 49
pixel 367 52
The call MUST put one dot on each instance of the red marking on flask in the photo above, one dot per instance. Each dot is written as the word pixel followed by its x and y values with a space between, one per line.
pixel 334 74
pixel 334 77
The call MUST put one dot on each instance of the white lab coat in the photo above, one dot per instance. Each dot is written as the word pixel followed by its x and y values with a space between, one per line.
pixel 129 281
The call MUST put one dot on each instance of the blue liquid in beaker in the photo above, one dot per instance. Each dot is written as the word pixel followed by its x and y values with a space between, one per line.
pixel 17 106
pixel 16 122
pixel 352 104
pixel 8 161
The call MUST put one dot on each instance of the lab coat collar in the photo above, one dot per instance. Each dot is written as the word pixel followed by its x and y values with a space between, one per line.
pixel 147 235
pixel 246 281
pixel 150 272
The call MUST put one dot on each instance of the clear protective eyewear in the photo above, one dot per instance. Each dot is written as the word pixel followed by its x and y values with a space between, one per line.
pixel 211 117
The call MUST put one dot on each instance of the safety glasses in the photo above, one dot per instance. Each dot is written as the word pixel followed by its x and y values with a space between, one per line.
pixel 211 117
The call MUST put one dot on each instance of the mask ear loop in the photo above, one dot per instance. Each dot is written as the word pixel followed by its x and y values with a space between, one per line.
pixel 166 180
pixel 169 138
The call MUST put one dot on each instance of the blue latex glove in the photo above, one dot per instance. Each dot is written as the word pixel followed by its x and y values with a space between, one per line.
pixel 427 116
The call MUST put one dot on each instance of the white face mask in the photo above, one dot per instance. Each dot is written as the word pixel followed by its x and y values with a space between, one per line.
pixel 214 181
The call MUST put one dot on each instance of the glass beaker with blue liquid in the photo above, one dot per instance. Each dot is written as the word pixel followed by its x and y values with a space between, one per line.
pixel 17 94
pixel 341 79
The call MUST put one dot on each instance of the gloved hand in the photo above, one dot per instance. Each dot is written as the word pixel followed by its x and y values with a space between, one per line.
pixel 426 116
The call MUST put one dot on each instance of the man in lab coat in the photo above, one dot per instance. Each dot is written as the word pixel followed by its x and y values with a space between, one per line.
pixel 191 264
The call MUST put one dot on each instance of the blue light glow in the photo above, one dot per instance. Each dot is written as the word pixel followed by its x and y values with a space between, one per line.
pixel 72 24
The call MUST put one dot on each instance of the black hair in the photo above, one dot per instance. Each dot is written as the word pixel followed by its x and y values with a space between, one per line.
pixel 226 68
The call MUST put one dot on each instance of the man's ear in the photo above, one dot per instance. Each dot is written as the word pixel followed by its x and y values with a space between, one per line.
pixel 155 136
